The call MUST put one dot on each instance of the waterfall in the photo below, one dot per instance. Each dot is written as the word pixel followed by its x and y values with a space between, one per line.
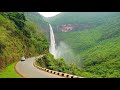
pixel 62 50
pixel 52 49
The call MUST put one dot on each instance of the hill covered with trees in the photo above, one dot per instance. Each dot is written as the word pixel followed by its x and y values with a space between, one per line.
pixel 38 19
pixel 80 20
pixel 97 46
pixel 19 37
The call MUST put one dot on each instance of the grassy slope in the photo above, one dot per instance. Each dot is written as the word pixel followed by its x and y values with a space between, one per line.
pixel 9 72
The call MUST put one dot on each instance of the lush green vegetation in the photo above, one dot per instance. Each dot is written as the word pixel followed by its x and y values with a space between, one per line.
pixel 49 62
pixel 82 19
pixel 97 48
pixel 19 37
pixel 38 20
pixel 9 72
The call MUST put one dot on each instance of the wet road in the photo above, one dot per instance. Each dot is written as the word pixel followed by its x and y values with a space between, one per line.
pixel 26 69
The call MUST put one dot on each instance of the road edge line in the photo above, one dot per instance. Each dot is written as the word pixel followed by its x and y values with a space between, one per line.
pixel 16 70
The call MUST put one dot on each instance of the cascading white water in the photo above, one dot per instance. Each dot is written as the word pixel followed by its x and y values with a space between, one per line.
pixel 52 42
pixel 60 51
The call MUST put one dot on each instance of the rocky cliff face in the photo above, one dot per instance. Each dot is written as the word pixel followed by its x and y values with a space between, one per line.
pixel 71 27
pixel 65 27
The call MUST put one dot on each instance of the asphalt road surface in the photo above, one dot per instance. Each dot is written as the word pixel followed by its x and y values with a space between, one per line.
pixel 26 69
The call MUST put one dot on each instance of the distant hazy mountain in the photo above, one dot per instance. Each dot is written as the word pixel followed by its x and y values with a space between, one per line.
pixel 70 21
pixel 38 19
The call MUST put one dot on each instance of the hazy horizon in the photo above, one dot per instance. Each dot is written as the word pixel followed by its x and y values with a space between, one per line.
pixel 49 14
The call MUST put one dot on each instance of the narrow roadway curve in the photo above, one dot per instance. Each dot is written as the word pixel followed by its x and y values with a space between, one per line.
pixel 26 69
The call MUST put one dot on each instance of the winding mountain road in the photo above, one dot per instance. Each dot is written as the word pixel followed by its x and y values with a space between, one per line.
pixel 27 70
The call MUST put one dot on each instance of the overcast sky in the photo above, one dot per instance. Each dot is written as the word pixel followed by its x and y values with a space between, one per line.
pixel 49 14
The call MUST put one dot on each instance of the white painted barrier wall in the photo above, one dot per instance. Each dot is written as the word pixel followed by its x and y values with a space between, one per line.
pixel 56 72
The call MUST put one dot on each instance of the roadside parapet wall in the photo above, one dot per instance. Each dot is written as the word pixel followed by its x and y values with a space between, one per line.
pixel 55 72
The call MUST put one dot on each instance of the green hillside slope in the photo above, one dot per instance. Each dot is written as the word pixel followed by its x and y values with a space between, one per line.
pixel 97 48
pixel 19 37
pixel 36 18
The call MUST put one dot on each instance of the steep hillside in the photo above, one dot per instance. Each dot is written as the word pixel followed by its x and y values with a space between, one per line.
pixel 36 18
pixel 19 37
pixel 96 48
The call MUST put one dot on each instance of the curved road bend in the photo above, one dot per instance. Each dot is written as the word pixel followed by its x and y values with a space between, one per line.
pixel 26 69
